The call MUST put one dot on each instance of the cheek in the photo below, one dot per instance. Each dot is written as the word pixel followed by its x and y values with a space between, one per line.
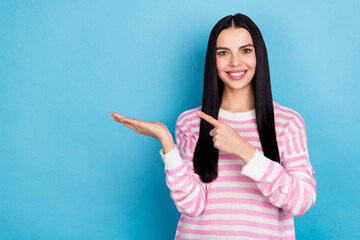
pixel 252 61
pixel 220 64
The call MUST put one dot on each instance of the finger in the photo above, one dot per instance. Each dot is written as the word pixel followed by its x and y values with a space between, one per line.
pixel 127 120
pixel 122 118
pixel 135 122
pixel 127 124
pixel 209 119
pixel 212 132
pixel 114 114
pixel 132 127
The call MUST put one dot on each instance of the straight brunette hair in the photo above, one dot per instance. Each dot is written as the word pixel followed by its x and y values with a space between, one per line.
pixel 205 158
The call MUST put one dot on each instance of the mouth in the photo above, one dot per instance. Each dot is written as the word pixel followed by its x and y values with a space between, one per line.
pixel 236 75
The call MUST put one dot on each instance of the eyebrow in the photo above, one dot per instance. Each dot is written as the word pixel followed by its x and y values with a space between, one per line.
pixel 247 45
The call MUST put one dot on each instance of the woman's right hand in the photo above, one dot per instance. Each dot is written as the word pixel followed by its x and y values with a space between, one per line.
pixel 152 129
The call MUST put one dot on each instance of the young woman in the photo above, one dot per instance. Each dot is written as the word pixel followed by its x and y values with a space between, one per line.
pixel 240 169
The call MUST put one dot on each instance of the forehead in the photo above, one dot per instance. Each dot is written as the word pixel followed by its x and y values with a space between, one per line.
pixel 233 37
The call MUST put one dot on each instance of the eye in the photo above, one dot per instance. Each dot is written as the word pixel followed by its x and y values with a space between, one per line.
pixel 222 53
pixel 248 50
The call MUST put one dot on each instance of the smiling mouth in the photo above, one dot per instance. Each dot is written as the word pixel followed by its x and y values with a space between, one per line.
pixel 236 74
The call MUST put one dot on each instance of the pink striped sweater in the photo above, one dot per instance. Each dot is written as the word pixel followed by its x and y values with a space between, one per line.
pixel 254 201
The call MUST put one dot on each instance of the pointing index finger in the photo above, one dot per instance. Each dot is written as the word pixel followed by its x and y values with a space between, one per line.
pixel 209 119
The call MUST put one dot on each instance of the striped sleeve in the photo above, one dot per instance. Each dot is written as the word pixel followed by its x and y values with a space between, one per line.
pixel 289 185
pixel 186 189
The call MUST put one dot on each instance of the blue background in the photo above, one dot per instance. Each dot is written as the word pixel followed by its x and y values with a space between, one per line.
pixel 68 171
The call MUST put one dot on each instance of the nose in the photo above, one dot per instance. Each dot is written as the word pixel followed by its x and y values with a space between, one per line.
pixel 235 60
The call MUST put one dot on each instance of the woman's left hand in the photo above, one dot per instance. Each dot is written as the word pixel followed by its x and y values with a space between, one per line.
pixel 226 139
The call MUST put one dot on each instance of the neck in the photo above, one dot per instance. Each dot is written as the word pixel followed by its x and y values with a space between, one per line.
pixel 238 100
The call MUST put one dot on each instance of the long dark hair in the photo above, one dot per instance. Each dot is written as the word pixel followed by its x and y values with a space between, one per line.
pixel 205 158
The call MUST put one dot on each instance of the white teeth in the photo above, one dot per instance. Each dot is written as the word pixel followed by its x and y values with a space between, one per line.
pixel 237 74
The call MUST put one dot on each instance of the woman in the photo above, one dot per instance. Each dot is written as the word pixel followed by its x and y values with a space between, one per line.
pixel 240 169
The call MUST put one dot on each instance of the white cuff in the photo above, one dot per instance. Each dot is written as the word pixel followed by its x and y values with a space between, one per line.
pixel 257 166
pixel 171 159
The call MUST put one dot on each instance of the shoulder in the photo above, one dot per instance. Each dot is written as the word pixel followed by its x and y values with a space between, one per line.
pixel 290 117
pixel 188 119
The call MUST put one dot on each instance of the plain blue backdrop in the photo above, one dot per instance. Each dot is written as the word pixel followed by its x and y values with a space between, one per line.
pixel 68 171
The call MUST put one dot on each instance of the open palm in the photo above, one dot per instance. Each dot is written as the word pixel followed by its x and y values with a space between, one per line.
pixel 152 129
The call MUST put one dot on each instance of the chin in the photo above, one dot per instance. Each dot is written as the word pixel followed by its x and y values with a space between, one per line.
pixel 237 84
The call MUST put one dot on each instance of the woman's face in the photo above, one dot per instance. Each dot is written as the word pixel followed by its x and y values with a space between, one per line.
pixel 235 53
